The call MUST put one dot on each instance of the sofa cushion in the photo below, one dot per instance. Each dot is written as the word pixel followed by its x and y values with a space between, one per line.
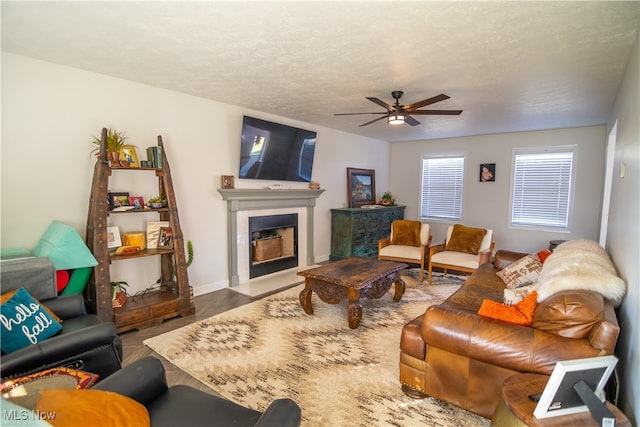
pixel 465 239
pixel 522 272
pixel 406 232
pixel 92 407
pixel 569 314
pixel 24 322
pixel 397 251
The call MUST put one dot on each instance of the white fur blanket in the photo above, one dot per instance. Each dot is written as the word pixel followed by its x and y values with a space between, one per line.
pixel 580 264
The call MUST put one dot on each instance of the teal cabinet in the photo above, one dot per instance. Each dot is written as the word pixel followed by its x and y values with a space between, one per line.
pixel 356 231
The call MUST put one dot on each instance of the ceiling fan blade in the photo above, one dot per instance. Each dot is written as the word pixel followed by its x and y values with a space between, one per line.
pixel 411 121
pixel 424 102
pixel 374 120
pixel 438 112
pixel 381 103
pixel 353 114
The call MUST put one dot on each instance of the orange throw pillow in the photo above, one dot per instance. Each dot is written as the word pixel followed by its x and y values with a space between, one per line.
pixel 519 314
pixel 96 408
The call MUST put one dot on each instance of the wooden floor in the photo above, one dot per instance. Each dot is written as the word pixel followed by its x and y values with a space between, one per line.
pixel 207 305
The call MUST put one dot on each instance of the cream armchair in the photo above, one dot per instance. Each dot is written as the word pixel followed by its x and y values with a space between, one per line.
pixel 408 242
pixel 465 249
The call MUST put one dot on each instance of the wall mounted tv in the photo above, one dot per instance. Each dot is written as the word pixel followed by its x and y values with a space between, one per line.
pixel 276 152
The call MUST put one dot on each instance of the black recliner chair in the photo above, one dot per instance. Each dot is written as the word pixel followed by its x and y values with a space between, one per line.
pixel 181 405
pixel 85 342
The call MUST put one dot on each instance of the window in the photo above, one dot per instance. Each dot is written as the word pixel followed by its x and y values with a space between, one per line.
pixel 541 187
pixel 441 195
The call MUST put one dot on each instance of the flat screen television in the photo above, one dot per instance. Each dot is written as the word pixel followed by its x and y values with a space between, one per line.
pixel 274 151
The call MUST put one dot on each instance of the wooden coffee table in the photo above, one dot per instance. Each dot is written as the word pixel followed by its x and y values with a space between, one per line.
pixel 354 278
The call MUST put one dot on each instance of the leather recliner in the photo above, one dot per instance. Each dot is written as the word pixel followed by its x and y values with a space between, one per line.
pixel 180 405
pixel 85 342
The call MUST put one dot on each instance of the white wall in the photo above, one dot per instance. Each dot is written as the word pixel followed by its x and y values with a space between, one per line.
pixel 623 236
pixel 50 113
pixel 487 204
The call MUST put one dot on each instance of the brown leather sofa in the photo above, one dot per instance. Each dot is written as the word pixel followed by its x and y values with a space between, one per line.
pixel 456 356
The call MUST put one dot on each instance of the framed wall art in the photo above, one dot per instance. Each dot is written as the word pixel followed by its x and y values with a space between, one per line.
pixel 361 187
pixel 487 172
pixel 226 181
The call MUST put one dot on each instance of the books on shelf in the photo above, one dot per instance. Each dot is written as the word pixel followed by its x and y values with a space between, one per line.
pixel 154 155
pixel 153 233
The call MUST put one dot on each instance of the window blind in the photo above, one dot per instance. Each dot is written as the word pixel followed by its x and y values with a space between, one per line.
pixel 542 188
pixel 442 184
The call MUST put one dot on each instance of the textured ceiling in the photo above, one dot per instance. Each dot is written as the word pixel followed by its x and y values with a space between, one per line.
pixel 510 66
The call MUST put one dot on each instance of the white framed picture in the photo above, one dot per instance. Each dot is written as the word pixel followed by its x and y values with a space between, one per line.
pixel 560 397
pixel 113 237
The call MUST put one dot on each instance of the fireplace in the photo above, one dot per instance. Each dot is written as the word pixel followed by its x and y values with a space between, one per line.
pixel 243 203
pixel 274 244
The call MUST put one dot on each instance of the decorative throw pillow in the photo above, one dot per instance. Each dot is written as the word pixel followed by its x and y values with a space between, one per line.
pixel 91 407
pixel 465 239
pixel 543 254
pixel 24 322
pixel 7 296
pixel 522 272
pixel 519 314
pixel 406 232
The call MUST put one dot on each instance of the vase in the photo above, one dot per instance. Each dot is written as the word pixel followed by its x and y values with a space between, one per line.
pixel 114 158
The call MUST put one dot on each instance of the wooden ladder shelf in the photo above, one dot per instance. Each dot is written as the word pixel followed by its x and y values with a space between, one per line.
pixel 174 296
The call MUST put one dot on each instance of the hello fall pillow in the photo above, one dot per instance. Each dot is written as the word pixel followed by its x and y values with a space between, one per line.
pixel 23 321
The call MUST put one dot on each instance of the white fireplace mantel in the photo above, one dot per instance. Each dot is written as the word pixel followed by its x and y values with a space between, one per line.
pixel 243 199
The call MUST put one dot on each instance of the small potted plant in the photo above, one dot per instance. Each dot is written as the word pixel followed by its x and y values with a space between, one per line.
pixel 118 294
pixel 157 202
pixel 387 199
pixel 114 142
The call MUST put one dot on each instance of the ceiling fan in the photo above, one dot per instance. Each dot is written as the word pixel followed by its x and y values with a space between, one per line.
pixel 397 114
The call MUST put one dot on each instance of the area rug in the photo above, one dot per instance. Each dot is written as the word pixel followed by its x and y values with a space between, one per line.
pixel 271 348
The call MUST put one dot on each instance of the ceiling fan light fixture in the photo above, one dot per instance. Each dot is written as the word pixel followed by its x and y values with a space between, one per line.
pixel 396 118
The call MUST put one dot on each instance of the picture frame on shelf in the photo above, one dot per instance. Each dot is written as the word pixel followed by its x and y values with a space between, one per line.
pixel 226 181
pixel 153 233
pixel 361 187
pixel 166 238
pixel 487 172
pixel 117 200
pixel 113 237
pixel 129 154
pixel 136 201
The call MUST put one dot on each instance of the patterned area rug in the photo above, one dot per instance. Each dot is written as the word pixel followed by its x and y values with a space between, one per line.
pixel 340 377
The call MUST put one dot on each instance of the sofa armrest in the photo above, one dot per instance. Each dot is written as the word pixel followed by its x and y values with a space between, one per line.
pixel 503 258
pixel 67 306
pixel 281 413
pixel 143 380
pixel 57 350
pixel 519 348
